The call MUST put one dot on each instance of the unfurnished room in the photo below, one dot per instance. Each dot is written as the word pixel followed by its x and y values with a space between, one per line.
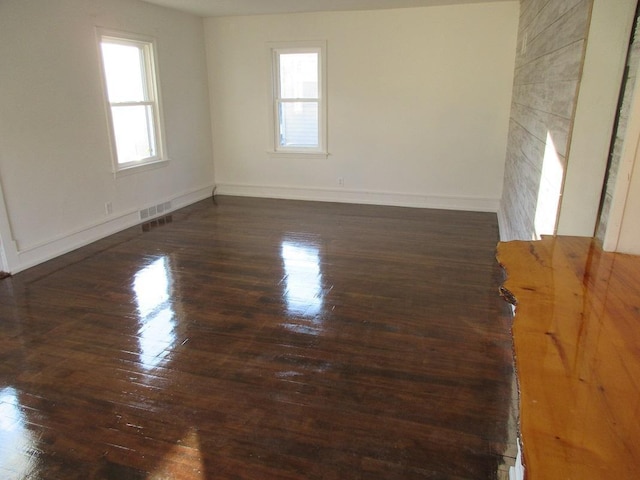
pixel 319 239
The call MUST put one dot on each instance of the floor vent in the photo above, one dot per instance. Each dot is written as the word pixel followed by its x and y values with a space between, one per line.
pixel 156 210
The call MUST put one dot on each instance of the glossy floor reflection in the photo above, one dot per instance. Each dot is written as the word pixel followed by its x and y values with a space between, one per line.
pixel 261 339
pixel 577 344
pixel 19 444
pixel 303 292
pixel 153 296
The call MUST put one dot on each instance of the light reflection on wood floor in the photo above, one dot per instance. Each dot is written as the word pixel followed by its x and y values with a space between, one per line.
pixel 577 344
pixel 261 339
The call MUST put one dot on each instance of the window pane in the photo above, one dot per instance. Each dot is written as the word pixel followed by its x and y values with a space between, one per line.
pixel 299 124
pixel 124 71
pixel 299 75
pixel 134 132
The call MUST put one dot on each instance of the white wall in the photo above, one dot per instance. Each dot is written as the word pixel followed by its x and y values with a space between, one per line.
pixel 603 69
pixel 418 105
pixel 622 230
pixel 629 241
pixel 55 163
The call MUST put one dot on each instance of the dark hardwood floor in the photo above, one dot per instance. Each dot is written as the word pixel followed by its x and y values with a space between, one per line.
pixel 262 339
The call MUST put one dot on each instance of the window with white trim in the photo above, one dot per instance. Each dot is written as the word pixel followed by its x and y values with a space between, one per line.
pixel 299 98
pixel 131 90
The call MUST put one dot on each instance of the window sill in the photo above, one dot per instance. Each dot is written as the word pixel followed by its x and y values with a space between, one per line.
pixel 299 154
pixel 143 167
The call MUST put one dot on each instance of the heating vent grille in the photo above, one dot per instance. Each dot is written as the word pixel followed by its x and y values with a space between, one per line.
pixel 155 210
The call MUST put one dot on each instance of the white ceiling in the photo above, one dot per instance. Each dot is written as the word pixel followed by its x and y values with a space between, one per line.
pixel 216 8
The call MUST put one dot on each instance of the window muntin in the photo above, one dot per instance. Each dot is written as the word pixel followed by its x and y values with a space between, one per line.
pixel 298 99
pixel 132 98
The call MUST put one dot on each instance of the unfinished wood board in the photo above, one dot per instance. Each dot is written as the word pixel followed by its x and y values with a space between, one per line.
pixel 577 345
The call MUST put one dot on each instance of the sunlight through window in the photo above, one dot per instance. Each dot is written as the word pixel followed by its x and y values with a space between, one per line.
pixel 299 97
pixel 298 106
pixel 130 80
pixel 549 191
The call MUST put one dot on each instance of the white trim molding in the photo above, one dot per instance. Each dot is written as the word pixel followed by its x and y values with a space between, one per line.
pixel 152 97
pixel 32 255
pixel 627 165
pixel 472 204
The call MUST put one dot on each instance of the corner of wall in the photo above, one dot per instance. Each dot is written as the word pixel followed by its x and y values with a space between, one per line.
pixel 31 256
pixel 502 223
pixel 607 44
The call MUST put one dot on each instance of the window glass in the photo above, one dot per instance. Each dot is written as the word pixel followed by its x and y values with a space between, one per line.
pixel 299 124
pixel 133 128
pixel 299 75
pixel 131 94
pixel 299 91
pixel 124 72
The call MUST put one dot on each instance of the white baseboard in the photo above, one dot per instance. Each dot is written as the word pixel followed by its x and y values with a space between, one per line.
pixel 32 255
pixel 474 204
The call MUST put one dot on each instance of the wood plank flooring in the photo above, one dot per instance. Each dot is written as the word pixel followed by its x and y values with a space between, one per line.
pixel 262 339
pixel 577 345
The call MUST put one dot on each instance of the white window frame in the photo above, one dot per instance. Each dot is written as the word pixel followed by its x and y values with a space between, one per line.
pixel 275 49
pixel 152 98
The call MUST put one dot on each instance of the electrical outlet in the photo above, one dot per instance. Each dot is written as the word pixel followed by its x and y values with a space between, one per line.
pixel 340 182
pixel 108 208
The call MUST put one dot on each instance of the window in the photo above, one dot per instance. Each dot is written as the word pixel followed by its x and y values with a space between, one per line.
pixel 298 95
pixel 132 97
